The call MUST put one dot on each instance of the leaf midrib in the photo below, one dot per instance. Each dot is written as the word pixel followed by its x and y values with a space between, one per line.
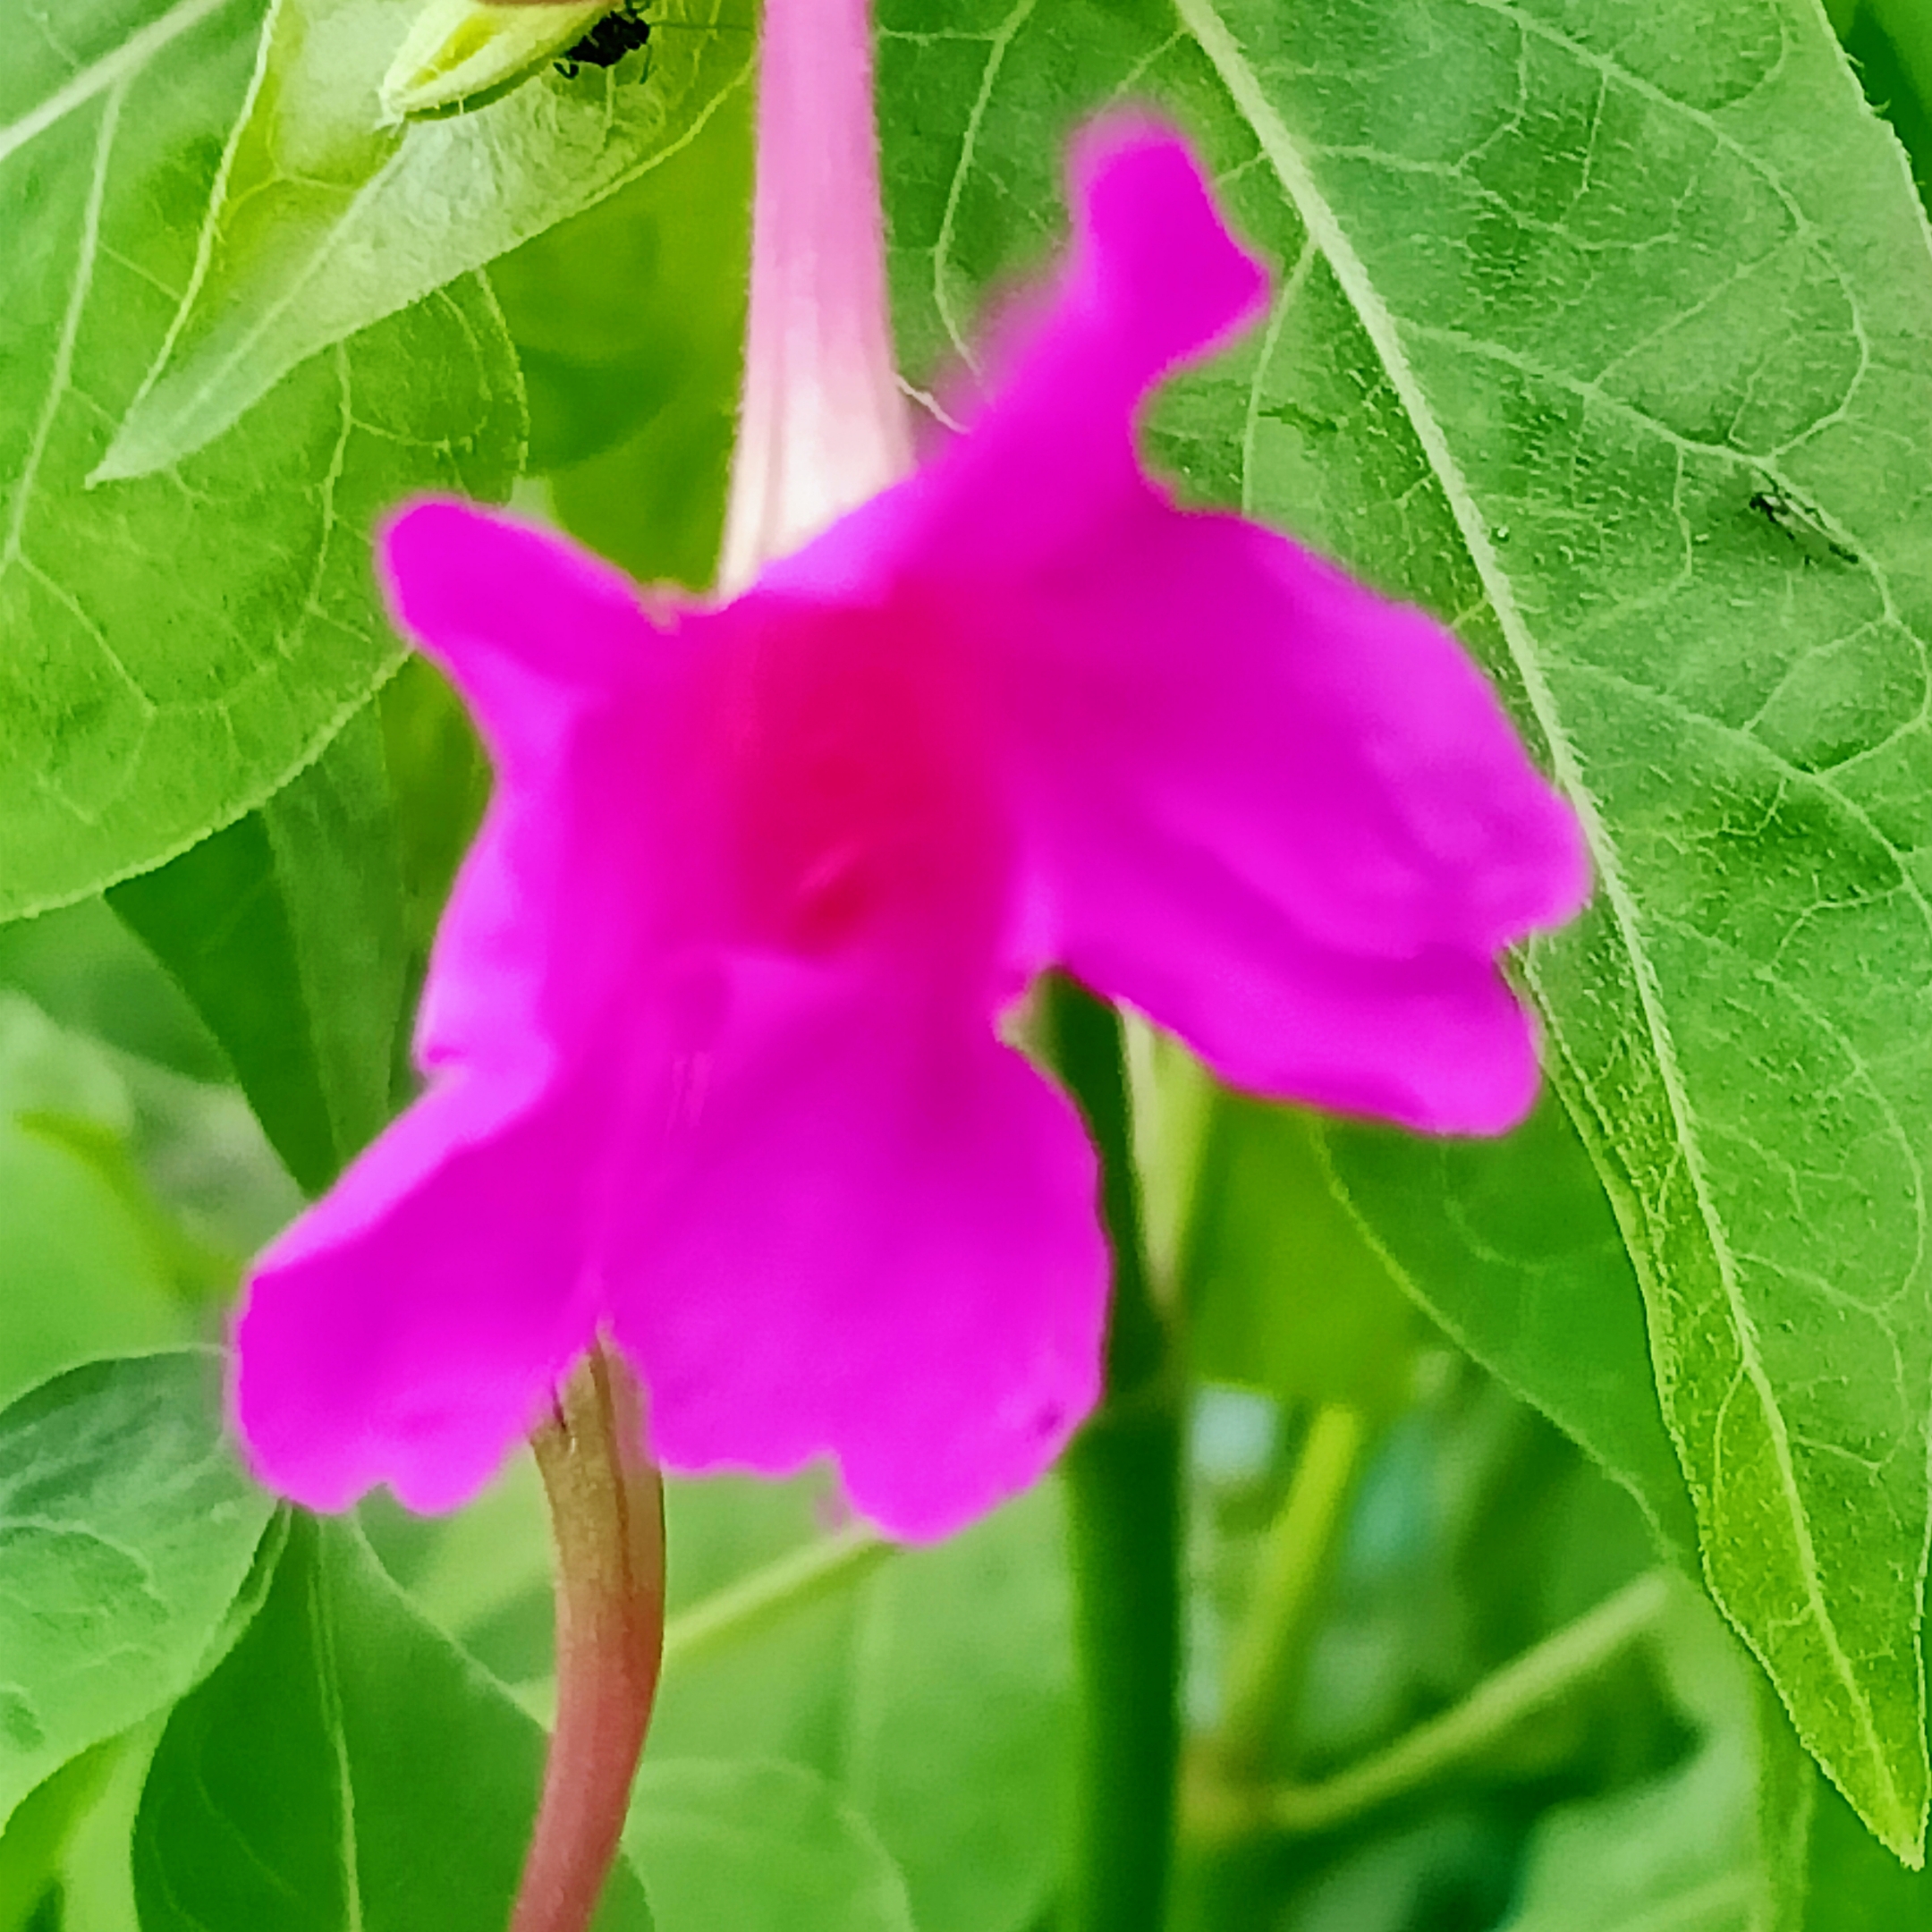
pixel 124 62
pixel 1277 143
pixel 329 1681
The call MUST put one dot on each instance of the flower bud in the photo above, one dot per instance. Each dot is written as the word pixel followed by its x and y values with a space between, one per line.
pixel 460 54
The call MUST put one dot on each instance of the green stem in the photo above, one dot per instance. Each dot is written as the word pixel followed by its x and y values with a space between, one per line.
pixel 1273 1642
pixel 1524 1686
pixel 755 1601
pixel 1125 1502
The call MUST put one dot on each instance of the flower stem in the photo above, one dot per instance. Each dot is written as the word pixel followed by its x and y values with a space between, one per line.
pixel 607 1511
pixel 1273 1642
pixel 1527 1684
pixel 1125 1502
pixel 799 1578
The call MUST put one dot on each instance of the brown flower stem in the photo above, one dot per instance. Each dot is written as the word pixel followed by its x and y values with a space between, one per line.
pixel 606 1513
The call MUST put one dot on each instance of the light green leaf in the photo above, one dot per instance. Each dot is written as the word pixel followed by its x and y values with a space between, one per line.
pixel 286 930
pixel 326 220
pixel 179 646
pixel 81 1273
pixel 83 968
pixel 346 1764
pixel 931 1689
pixel 129 1195
pixel 127 1533
pixel 759 1848
pixel 1562 288
pixel 780 1690
pixel 1511 1247
pixel 36 1838
pixel 960 1718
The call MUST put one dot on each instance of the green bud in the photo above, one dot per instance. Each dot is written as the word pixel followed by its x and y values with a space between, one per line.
pixel 462 53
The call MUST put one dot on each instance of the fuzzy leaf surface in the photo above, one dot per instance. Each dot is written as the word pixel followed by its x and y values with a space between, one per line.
pixel 346 1767
pixel 177 647
pixel 127 1532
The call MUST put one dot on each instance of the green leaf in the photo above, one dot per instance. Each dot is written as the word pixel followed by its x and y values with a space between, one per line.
pixel 182 644
pixel 327 220
pixel 127 1534
pixel 36 1837
pixel 1283 1292
pixel 1855 1883
pixel 960 1718
pixel 1512 1246
pixel 1561 290
pixel 1891 48
pixel 85 1266
pixel 347 1766
pixel 84 969
pixel 935 1697
pixel 286 931
pixel 1910 31
pixel 301 932
pixel 629 320
pixel 1707 1845
pixel 759 1848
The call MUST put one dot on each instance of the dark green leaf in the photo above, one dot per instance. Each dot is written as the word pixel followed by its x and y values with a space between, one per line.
pixel 180 644
pixel 287 932
pixel 759 1848
pixel 1562 288
pixel 1284 1291
pixel 329 220
pixel 300 932
pixel 126 1532
pixel 346 1767
pixel 83 968
pixel 438 782
pixel 630 322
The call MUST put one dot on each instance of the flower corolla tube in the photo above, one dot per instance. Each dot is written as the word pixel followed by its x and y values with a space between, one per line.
pixel 711 1033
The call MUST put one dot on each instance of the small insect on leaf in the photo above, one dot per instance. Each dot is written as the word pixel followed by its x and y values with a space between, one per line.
pixel 1800 523
pixel 619 32
pixel 460 54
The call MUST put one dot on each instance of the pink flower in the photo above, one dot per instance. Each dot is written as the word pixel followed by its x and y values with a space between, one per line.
pixel 711 1032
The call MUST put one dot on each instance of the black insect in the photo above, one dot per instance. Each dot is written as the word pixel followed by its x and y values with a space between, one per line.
pixel 1801 525
pixel 619 32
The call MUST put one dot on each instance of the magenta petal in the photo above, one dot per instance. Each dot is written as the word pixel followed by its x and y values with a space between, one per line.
pixel 408 1328
pixel 880 1242
pixel 1151 255
pixel 554 653
pixel 1155 280
pixel 712 1006
pixel 1286 818
pixel 528 626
